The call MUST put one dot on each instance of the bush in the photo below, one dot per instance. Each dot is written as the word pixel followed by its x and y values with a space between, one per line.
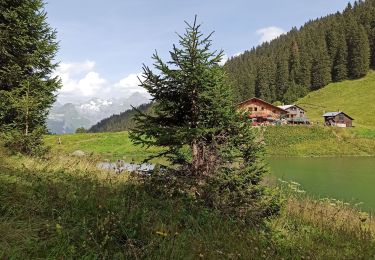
pixel 81 130
pixel 233 194
pixel 31 144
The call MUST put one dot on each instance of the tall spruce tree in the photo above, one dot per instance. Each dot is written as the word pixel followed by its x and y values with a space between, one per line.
pixel 194 109
pixel 340 64
pixel 373 48
pixel 321 66
pixel 294 62
pixel 358 50
pixel 282 76
pixel 27 49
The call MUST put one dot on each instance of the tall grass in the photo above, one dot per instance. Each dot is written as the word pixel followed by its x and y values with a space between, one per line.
pixel 65 208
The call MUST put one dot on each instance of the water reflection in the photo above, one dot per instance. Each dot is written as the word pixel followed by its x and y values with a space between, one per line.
pixel 122 166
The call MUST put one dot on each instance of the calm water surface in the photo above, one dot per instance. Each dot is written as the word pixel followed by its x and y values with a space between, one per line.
pixel 351 179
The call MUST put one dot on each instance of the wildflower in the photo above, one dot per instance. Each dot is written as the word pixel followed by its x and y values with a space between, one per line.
pixel 58 228
pixel 363 216
pixel 161 233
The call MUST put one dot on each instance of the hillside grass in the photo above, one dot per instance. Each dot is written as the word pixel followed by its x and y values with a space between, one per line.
pixel 318 141
pixel 104 145
pixel 281 141
pixel 64 208
pixel 354 97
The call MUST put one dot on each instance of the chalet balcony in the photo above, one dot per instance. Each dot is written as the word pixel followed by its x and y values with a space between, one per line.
pixel 260 114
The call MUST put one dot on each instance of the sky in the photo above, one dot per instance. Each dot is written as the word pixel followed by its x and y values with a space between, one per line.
pixel 103 44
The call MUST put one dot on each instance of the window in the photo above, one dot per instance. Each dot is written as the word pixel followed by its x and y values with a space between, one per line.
pixel 262 108
pixel 341 117
pixel 255 109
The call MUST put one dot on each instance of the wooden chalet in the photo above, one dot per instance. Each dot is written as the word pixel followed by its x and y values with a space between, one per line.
pixel 261 111
pixel 296 114
pixel 339 119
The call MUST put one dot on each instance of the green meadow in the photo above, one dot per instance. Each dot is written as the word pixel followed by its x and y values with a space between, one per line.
pixel 283 141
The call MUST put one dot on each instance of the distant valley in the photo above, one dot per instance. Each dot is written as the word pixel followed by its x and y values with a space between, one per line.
pixel 66 118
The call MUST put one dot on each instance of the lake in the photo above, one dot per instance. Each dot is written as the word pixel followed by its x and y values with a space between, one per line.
pixel 351 179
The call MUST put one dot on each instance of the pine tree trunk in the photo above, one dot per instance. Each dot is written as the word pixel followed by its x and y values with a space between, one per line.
pixel 27 111
pixel 195 154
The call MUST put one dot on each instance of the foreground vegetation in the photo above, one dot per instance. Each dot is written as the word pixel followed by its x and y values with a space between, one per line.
pixel 65 208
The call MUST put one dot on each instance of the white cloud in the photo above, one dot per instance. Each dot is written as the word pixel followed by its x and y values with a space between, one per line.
pixel 81 81
pixel 130 83
pixel 224 59
pixel 91 84
pixel 269 33
pixel 238 54
pixel 76 68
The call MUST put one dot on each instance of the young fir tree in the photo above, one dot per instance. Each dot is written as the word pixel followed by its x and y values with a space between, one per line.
pixel 28 46
pixel 196 123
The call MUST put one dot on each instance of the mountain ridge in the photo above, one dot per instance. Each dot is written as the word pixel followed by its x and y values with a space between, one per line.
pixel 66 118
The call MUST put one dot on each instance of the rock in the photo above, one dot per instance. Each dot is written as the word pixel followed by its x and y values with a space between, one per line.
pixel 78 153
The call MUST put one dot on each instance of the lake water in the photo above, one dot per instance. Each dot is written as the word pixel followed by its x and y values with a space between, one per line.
pixel 351 179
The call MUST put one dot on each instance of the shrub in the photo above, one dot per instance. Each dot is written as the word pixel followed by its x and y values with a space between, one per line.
pixel 31 144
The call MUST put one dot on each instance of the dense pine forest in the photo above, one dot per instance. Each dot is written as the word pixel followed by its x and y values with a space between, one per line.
pixel 121 122
pixel 330 49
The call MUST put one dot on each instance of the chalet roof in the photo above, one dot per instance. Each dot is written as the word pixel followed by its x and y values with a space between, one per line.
pixel 285 107
pixel 262 101
pixel 333 114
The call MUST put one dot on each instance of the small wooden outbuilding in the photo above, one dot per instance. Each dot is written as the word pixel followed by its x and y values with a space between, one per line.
pixel 339 119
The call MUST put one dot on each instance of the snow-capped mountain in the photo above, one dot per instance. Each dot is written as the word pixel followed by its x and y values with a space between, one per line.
pixel 95 105
pixel 68 117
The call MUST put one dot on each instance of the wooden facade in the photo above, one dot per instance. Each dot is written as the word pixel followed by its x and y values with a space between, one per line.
pixel 261 111
pixel 339 119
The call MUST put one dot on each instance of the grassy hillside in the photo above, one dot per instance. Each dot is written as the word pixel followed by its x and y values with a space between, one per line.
pixel 64 208
pixel 289 141
pixel 315 141
pixel 354 97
